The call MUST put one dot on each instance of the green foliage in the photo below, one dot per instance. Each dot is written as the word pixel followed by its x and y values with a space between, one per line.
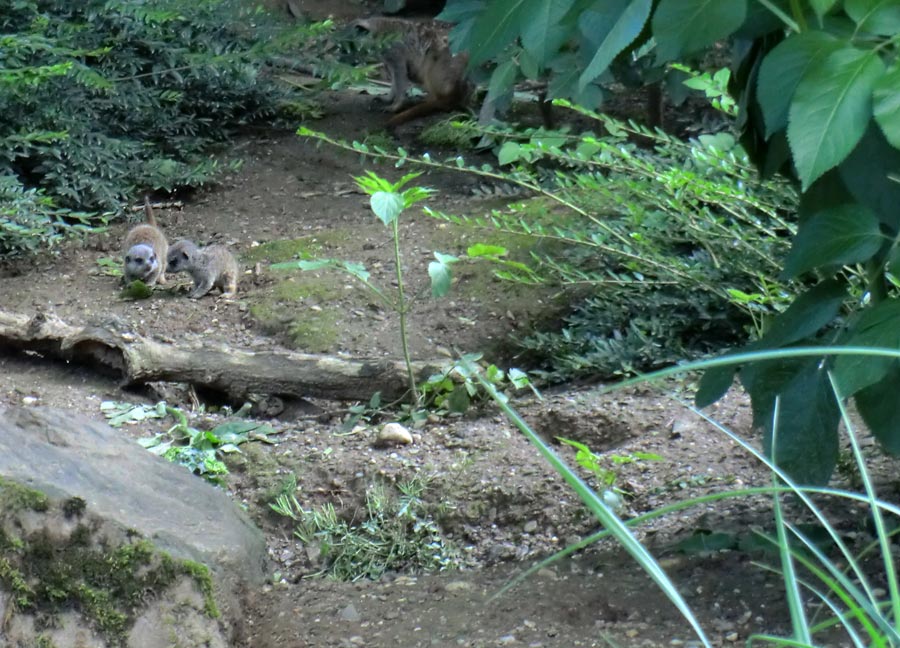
pixel 455 389
pixel 839 588
pixel 29 219
pixel 394 532
pixel 816 86
pixel 197 450
pixel 594 463
pixel 388 200
pixel 672 250
pixel 101 99
pixel 137 289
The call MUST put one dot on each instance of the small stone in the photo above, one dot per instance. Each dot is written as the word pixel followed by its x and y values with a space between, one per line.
pixel 29 400
pixel 393 434
pixel 530 526
pixel 458 586
pixel 631 633
pixel 507 640
pixel 350 614
pixel 731 636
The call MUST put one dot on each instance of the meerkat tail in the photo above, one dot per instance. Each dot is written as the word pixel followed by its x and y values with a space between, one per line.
pixel 148 212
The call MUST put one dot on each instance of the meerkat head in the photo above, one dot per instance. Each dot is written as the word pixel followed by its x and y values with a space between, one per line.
pixel 181 256
pixel 140 261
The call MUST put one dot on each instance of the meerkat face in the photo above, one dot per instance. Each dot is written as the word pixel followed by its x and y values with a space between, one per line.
pixel 180 257
pixel 140 262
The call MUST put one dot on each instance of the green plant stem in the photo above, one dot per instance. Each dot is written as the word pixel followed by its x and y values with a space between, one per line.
pixel 401 310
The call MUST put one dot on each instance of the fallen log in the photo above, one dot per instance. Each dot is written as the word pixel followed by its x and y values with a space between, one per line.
pixel 234 372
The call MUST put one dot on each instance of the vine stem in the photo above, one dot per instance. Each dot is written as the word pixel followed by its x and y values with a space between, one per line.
pixel 401 297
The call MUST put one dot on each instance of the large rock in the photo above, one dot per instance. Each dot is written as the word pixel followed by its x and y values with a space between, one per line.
pixel 108 541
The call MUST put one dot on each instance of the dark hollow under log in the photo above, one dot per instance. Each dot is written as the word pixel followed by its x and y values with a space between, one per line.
pixel 234 372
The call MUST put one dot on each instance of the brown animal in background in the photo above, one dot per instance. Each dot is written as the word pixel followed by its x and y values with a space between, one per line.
pixel 421 56
pixel 145 251
pixel 209 267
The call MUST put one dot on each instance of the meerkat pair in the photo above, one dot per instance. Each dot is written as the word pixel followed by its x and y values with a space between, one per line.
pixel 148 257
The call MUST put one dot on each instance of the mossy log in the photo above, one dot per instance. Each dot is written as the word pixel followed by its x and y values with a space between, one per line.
pixel 233 372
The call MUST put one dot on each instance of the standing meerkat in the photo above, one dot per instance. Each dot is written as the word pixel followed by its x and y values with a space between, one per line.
pixel 146 251
pixel 209 267
pixel 420 56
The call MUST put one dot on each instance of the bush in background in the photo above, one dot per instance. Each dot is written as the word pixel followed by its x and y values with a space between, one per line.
pixel 102 99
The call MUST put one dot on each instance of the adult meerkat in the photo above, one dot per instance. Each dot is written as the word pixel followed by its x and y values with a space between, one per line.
pixel 420 56
pixel 146 251
pixel 209 267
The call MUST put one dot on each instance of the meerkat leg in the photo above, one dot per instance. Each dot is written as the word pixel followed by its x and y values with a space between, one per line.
pixel 203 287
pixel 161 280
pixel 396 68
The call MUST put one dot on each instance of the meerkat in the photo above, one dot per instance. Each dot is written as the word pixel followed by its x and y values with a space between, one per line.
pixel 146 251
pixel 209 267
pixel 421 56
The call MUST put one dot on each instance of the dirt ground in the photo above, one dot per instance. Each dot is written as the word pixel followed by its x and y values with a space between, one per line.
pixel 502 507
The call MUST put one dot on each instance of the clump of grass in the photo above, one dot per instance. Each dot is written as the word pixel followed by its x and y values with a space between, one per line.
pixel 394 531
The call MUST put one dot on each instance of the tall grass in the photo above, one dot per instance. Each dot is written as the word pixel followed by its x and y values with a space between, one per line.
pixel 838 583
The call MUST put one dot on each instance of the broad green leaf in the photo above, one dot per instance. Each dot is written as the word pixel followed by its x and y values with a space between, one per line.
pixel 880 408
pixel 807 314
pixel 446 259
pixel 518 378
pixel 459 10
pixel 356 269
pixel 782 69
pixel 886 97
pixel 458 401
pixel 502 80
pixel 878 326
pixel 830 110
pixel 867 174
pixel 610 26
pixel 564 82
pixel 806 446
pixel 821 7
pixel 509 153
pixel 387 206
pixel 837 236
pixel 441 277
pixel 764 380
pixel 485 250
pixel 875 16
pixel 542 30
pixel 684 26
pixel 496 27
pixel 714 384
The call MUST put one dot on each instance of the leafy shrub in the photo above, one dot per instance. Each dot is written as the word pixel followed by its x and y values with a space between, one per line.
pixel 672 249
pixel 816 87
pixel 102 98
pixel 675 249
pixel 29 219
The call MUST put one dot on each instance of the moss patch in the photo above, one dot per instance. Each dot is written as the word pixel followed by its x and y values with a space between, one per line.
pixel 15 497
pixel 284 250
pixel 107 584
pixel 304 310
